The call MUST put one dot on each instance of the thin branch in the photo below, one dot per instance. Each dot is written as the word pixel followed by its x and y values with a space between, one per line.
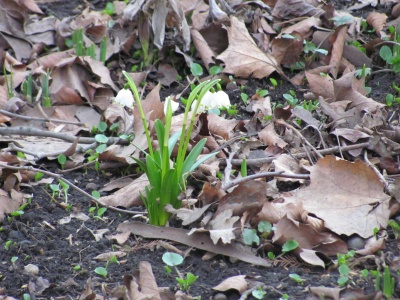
pixel 298 133
pixel 28 168
pixel 261 161
pixel 10 114
pixel 262 175
pixel 28 131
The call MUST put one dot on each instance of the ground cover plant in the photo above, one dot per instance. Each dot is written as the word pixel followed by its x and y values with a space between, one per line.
pixel 199 150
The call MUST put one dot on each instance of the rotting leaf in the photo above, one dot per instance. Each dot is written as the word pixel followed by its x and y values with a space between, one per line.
pixel 243 58
pixel 347 196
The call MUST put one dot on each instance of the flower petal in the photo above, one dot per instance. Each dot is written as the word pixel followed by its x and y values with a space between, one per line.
pixel 125 98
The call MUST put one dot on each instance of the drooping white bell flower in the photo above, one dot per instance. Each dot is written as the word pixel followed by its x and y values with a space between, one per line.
pixel 174 105
pixel 212 100
pixel 125 98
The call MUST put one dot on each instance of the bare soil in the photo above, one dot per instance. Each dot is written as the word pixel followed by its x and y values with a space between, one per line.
pixel 38 238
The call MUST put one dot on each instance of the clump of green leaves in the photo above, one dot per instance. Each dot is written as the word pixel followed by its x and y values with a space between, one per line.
pixel 392 55
pixel 78 43
pixel 291 98
pixel 173 260
pixel 168 181
pixel 344 269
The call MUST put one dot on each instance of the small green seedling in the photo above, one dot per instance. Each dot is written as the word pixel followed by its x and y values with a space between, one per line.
pixel 273 82
pixel 173 260
pixel 390 99
pixel 26 297
pixel 109 9
pixel 392 56
pixel 14 259
pixel 265 228
pixel 289 246
pixel 215 70
pixel 9 82
pixel 244 97
pixel 196 69
pixel 38 176
pixel 250 237
pixel 62 159
pixel 46 101
pixel 364 273
pixel 77 267
pixel 7 245
pixel 291 98
pixel 259 293
pixel 27 88
pixel 344 272
pixel 297 278
pixel 388 284
pixel 101 271
pixel 284 297
pixel 395 227
pixel 243 168
pixel 262 93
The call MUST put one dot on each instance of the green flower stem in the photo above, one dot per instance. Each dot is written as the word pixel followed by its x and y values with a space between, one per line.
pixel 133 87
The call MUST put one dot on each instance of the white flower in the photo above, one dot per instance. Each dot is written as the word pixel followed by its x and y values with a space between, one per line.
pixel 212 100
pixel 125 98
pixel 174 105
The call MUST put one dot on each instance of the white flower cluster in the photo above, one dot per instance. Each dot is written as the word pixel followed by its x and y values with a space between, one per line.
pixel 212 100
pixel 125 98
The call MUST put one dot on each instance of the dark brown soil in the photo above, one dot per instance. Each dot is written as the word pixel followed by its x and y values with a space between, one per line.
pixel 38 238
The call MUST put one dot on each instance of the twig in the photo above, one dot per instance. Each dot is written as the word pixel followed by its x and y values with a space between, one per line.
pixel 29 168
pixel 10 114
pixel 228 169
pixel 260 161
pixel 27 131
pixel 303 139
pixel 376 171
pixel 39 156
pixel 262 175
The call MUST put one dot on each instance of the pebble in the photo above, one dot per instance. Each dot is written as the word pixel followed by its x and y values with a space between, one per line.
pixel 356 242
pixel 220 296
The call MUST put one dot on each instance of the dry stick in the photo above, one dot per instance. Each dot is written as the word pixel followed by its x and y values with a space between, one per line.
pixel 303 139
pixel 28 131
pixel 28 168
pixel 262 175
pixel 376 171
pixel 260 161
pixel 39 156
pixel 10 114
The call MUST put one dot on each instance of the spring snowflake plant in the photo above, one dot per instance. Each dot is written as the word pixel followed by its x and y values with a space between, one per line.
pixel 166 180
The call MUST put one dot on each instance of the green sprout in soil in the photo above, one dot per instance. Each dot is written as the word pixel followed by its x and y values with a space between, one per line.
pixel 291 98
pixel 62 159
pixel 244 97
pixel 343 269
pixel 9 83
pixel 101 271
pixel 168 181
pixel 27 88
pixel 259 293
pixel 297 278
pixel 395 227
pixel 173 260
pixel 392 55
pixel 274 83
pixel 46 101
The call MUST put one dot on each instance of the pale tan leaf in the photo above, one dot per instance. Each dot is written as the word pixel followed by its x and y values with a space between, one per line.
pixel 288 165
pixel 129 195
pixel 106 256
pixel 298 8
pixel 321 85
pixel 377 21
pixel 270 138
pixel 243 58
pixel 237 282
pixel 347 196
pixel 337 40
pixel 222 227
pixel 147 280
pixel 8 204
pixel 221 126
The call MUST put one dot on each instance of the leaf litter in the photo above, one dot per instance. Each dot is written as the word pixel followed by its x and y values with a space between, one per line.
pixel 335 198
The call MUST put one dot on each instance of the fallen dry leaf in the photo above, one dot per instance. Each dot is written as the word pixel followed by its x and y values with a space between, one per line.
pixel 347 196
pixel 243 58
pixel 238 283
